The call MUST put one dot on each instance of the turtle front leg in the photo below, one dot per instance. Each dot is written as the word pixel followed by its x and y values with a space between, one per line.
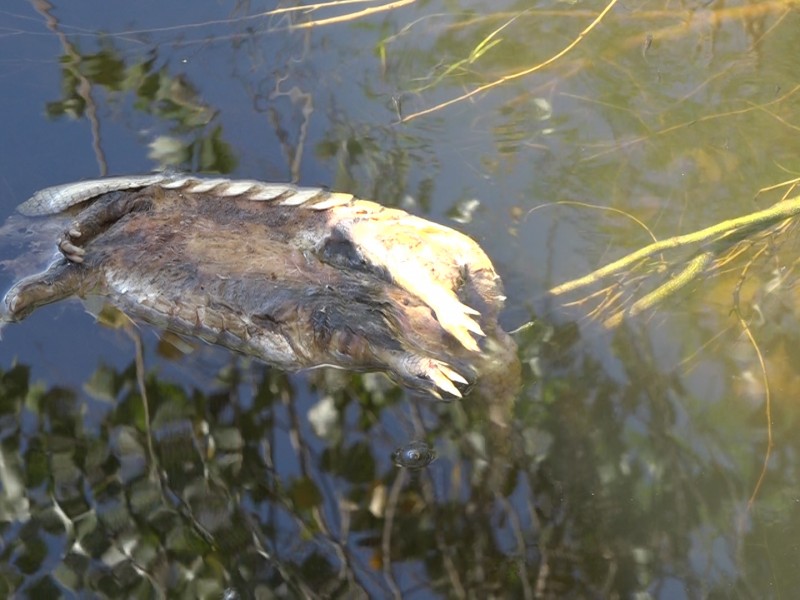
pixel 427 374
pixel 61 280
pixel 408 254
pixel 98 217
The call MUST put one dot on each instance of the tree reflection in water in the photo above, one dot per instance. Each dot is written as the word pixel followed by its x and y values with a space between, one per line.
pixel 262 489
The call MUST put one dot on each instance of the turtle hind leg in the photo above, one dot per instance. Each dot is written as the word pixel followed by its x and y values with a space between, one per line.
pixel 61 280
pixel 102 213
pixel 367 335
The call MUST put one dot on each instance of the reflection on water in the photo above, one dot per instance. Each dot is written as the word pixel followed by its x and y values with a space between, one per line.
pixel 635 459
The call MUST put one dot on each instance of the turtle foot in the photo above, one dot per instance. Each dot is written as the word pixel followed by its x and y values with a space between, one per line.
pixel 68 245
pixel 433 376
pixel 455 318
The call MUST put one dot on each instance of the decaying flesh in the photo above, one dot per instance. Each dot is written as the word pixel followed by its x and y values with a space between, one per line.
pixel 298 277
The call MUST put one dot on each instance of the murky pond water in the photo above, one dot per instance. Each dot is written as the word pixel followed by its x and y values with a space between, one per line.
pixel 652 449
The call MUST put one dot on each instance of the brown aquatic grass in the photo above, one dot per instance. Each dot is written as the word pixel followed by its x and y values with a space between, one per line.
pixel 714 248
pixel 518 74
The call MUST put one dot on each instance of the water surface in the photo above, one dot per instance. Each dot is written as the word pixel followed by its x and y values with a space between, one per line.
pixel 632 462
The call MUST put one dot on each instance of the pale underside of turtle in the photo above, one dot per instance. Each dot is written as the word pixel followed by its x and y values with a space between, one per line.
pixel 298 277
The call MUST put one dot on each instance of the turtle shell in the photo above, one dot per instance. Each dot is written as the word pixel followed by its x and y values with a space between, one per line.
pixel 299 277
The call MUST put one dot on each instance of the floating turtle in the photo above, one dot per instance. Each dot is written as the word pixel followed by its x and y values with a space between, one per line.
pixel 298 277
pixel 414 455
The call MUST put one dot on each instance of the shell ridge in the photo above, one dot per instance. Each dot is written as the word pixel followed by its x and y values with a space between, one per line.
pixel 58 198
pixel 302 196
pixel 253 190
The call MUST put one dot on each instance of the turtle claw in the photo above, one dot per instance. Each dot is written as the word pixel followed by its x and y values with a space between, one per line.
pixel 408 269
pixel 438 374
pixel 457 323
pixel 456 318
pixel 434 376
pixel 69 249
pixel 72 252
pixel 448 380
pixel 453 375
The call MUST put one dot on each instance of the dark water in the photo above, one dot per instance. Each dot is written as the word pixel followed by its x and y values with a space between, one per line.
pixel 632 461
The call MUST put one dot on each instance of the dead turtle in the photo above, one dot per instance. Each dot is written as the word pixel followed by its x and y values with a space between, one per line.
pixel 298 277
